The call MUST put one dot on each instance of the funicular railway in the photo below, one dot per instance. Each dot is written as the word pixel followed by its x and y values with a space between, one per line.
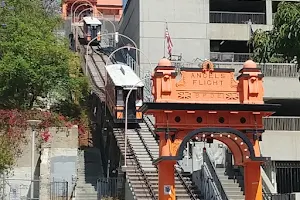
pixel 142 147
pixel 142 143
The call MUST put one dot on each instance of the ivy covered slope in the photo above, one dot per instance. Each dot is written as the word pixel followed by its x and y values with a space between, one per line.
pixel 283 39
pixel 36 66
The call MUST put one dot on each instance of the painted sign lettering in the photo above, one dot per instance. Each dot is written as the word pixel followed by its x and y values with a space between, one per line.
pixel 209 79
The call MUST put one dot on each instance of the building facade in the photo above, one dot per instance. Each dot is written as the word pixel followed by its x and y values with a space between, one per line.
pixel 219 30
pixel 203 29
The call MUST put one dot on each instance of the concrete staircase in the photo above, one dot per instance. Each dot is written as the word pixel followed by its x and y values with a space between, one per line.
pixel 89 170
pixel 136 181
pixel 152 146
pixel 231 187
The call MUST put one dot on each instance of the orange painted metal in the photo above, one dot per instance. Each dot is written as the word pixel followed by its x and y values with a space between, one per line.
pixel 209 85
pixel 112 8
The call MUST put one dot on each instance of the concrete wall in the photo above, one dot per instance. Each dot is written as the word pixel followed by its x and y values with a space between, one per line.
pixel 19 180
pixel 241 32
pixel 281 145
pixel 56 161
pixel 276 88
pixel 59 159
pixel 145 22
pixel 187 24
pixel 130 25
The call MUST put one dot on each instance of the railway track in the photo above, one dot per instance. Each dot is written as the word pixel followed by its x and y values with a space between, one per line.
pixel 144 183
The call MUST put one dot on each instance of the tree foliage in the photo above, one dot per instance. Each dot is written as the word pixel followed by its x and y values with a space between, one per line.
pixel 35 63
pixel 283 39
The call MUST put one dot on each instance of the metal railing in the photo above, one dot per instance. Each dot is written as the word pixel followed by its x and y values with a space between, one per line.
pixel 268 69
pixel 150 126
pixel 279 196
pixel 208 186
pixel 236 17
pixel 229 57
pixel 59 190
pixel 109 188
pixel 144 75
pixel 214 175
pixel 13 188
pixel 282 123
pixel 147 182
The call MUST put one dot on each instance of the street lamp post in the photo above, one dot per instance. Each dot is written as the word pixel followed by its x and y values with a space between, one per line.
pixel 87 48
pixel 74 13
pixel 135 45
pixel 91 9
pixel 85 1
pixel 103 18
pixel 127 97
pixel 33 124
pixel 126 117
pixel 106 34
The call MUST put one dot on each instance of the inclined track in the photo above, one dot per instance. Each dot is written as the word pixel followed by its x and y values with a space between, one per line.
pixel 142 175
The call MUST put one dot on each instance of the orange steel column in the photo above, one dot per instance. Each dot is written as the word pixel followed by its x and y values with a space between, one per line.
pixel 95 11
pixel 253 182
pixel 166 180
pixel 64 11
pixel 182 106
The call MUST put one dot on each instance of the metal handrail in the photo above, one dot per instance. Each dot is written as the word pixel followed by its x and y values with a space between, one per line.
pixel 141 170
pixel 210 177
pixel 214 175
pixel 177 173
pixel 128 154
pixel 73 189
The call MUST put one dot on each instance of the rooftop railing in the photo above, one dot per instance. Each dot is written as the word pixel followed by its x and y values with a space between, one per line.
pixel 237 17
pixel 229 57
pixel 279 123
pixel 268 69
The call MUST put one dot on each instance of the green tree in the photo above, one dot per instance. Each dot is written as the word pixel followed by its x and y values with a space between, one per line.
pixel 35 62
pixel 283 39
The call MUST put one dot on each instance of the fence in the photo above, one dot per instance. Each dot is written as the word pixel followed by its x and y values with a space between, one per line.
pixel 237 17
pixel 59 190
pixel 279 196
pixel 282 123
pixel 229 57
pixel 268 69
pixel 110 188
pixel 20 189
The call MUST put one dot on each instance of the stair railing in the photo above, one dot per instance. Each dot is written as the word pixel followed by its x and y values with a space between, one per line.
pixel 73 190
pixel 75 178
pixel 141 170
pixel 214 175
pixel 209 188
pixel 130 153
pixel 192 195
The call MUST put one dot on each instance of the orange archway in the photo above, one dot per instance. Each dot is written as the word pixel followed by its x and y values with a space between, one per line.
pixel 209 103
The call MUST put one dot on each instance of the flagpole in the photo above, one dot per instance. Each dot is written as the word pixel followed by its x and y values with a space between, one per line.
pixel 165 38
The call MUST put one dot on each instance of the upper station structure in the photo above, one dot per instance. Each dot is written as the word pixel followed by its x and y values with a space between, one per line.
pixel 209 104
pixel 108 8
